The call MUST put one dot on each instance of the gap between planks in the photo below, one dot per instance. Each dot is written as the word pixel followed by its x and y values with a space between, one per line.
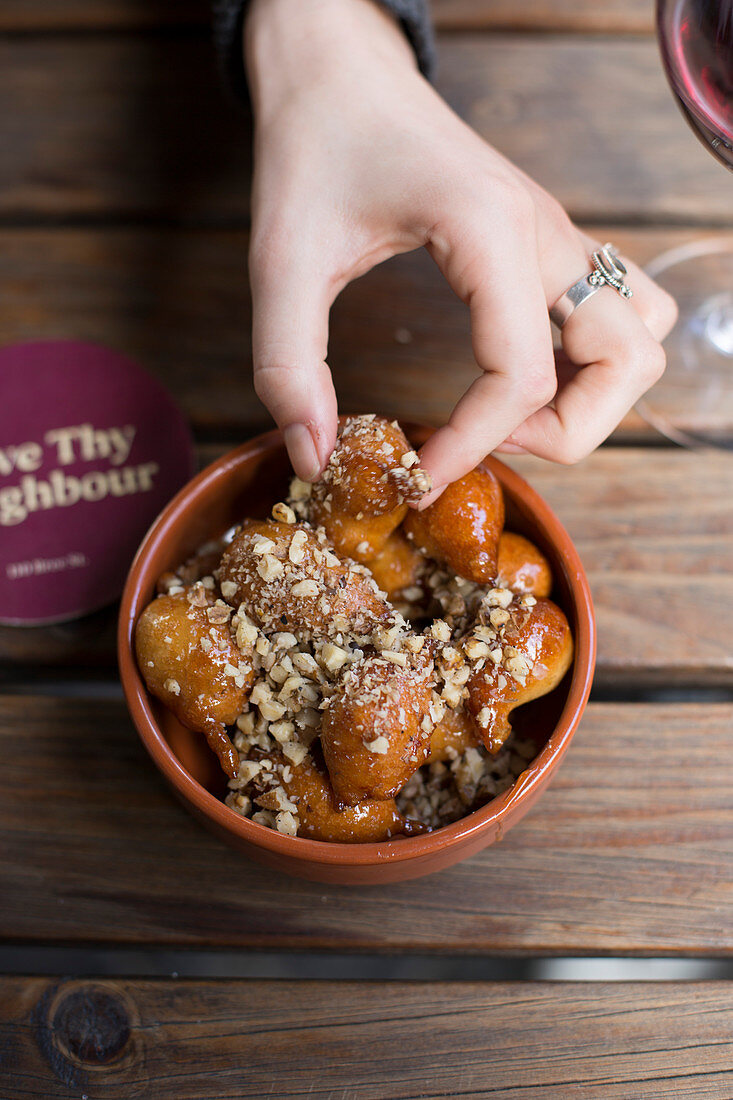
pixel 92 961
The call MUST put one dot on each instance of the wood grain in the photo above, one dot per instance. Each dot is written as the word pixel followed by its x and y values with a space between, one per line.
pixel 106 15
pixel 547 105
pixel 367 1040
pixel 136 126
pixel 178 300
pixel 654 528
pixel 632 16
pixel 555 16
pixel 630 851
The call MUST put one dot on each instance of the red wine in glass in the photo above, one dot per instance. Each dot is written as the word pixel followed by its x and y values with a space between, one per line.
pixel 696 42
pixel 692 404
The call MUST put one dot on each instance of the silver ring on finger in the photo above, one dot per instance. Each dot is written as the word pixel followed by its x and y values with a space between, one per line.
pixel 607 270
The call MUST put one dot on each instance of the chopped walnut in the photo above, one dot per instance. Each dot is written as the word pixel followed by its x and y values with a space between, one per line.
pixel 287 823
pixel 499 597
pixel 281 513
pixel 304 588
pixel 396 658
pixel 379 745
pixel 269 568
pixel 295 752
pixel 440 630
pixel 300 490
pixel 262 545
pixel 334 656
pixel 220 613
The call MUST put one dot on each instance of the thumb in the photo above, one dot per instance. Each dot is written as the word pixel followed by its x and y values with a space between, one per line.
pixel 289 343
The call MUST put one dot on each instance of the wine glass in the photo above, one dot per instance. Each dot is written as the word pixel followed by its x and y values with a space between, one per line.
pixel 693 402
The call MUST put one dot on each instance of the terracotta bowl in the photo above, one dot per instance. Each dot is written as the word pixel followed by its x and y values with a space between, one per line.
pixel 246 482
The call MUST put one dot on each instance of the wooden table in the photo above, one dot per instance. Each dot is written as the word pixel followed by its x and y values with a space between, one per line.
pixel 123 218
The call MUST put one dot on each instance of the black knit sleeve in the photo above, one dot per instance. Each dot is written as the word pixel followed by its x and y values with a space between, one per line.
pixel 413 15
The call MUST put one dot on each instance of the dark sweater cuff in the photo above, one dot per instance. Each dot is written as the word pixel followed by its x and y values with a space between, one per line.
pixel 228 16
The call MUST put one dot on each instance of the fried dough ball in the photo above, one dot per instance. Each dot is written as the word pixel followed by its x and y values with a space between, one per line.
pixel 187 656
pixel 321 819
pixel 373 734
pixel 455 732
pixel 362 495
pixel 289 580
pixel 399 565
pixel 461 528
pixel 522 567
pixel 535 650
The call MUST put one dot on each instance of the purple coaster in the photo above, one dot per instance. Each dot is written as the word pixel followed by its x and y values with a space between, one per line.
pixel 91 448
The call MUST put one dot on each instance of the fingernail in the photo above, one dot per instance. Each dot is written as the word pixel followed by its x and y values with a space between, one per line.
pixel 302 451
pixel 430 497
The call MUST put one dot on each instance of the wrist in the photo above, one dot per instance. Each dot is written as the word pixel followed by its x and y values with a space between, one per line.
pixel 289 44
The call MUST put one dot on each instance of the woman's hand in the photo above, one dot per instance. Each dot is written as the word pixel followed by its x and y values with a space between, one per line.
pixel 357 158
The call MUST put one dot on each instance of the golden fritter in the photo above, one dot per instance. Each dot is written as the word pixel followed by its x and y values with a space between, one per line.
pixel 289 580
pixel 190 662
pixel 320 819
pixel 376 731
pixel 455 732
pixel 363 494
pixel 398 566
pixel 522 567
pixel 530 652
pixel 461 528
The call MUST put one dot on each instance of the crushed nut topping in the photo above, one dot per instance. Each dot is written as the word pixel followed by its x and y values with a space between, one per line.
pixel 300 490
pixel 298 616
pixel 396 658
pixel 262 545
pixel 304 588
pixel 379 745
pixel 269 568
pixel 281 513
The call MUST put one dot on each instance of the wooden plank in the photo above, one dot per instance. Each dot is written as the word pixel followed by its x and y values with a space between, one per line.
pixel 124 125
pixel 546 104
pixel 630 16
pixel 654 529
pixel 116 126
pixel 630 851
pixel 554 16
pixel 107 15
pixel 178 300
pixel 367 1040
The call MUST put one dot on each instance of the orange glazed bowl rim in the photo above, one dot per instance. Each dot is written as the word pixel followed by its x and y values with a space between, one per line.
pixel 136 595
